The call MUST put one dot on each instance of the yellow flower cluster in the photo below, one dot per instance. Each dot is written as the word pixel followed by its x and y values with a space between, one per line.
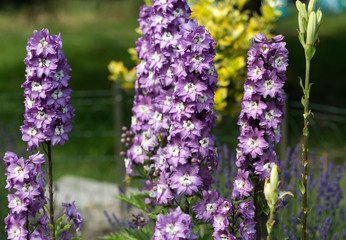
pixel 231 25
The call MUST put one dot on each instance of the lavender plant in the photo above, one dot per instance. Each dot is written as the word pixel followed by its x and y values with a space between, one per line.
pixel 47 122
pixel 309 23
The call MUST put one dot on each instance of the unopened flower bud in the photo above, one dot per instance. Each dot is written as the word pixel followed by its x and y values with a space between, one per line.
pixel 302 24
pixel 123 135
pixel 122 153
pixel 311 6
pixel 302 9
pixel 124 128
pixel 312 29
pixel 122 140
pixel 271 189
pixel 319 17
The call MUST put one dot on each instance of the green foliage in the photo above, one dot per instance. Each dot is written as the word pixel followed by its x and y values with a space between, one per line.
pixel 131 234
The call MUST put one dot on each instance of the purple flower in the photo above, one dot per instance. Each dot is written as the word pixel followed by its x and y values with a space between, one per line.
pixel 72 214
pixel 186 179
pixel 48 111
pixel 241 184
pixel 207 207
pixel 175 226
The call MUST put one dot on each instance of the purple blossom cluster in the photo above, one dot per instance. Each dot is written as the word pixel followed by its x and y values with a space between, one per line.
pixel 25 182
pixel 175 226
pixel 172 110
pixel 73 215
pixel 48 110
pixel 262 112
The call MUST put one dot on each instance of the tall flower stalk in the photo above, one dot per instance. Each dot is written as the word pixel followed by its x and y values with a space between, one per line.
pixel 260 121
pixel 48 110
pixel 309 23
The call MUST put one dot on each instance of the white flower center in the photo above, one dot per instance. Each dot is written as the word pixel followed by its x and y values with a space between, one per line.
pixel 211 71
pixel 151 74
pixel 268 84
pixel 253 105
pixel 178 12
pixel 59 130
pixel 41 115
pixel 252 143
pixel 239 184
pixel 180 107
pixel 64 110
pixel 169 72
pixel 224 237
pixel 27 187
pixel 15 231
pixel 204 142
pixel 226 206
pixel 160 189
pixel 133 120
pixel 174 151
pixel 18 170
pixel 185 180
pixel 157 57
pixel 197 59
pixel 36 87
pixel 277 131
pixel 43 43
pixel 268 167
pixel 278 61
pixel 157 116
pixel 239 153
pixel 138 150
pixel 17 201
pixel 158 19
pixel 167 36
pixel 188 125
pixel 30 102
pixel 203 99
pixel 143 109
pixel 249 89
pixel 168 100
pixel 162 160
pixel 243 124
pixel 43 62
pixel 219 220
pixel 190 88
pixel 32 131
pixel 264 48
pixel 57 94
pixel 257 71
pixel 59 75
pixel 211 207
pixel 163 1
pixel 269 115
pixel 171 229
pixel 198 40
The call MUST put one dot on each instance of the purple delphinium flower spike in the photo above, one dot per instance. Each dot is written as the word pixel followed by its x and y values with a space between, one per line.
pixel 48 110
pixel 25 176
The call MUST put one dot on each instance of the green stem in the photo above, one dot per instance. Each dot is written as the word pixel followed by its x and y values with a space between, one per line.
pixel 50 189
pixel 270 223
pixel 305 160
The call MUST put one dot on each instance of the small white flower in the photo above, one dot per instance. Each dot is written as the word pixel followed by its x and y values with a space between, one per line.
pixel 174 151
pixel 59 75
pixel 269 116
pixel 158 19
pixel 157 116
pixel 138 150
pixel 171 229
pixel 278 61
pixel 253 105
pixel 32 132
pixel 257 71
pixel 203 99
pixel 180 107
pixel 41 115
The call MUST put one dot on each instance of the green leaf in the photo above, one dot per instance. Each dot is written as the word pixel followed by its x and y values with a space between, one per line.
pixel 67 226
pixel 135 200
pixel 303 101
pixel 301 186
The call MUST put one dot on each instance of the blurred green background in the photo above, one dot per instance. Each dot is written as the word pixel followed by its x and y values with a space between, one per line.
pixel 96 32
